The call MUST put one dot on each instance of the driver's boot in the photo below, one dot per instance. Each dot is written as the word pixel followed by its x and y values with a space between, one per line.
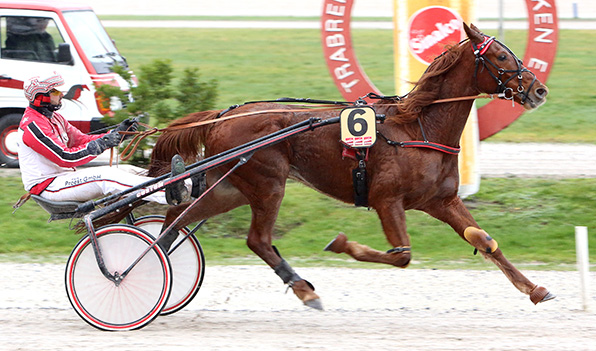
pixel 177 193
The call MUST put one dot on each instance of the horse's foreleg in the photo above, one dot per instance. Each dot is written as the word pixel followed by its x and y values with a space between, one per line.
pixel 459 218
pixel 394 225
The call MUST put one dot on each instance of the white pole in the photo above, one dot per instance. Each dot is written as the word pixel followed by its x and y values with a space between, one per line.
pixel 501 30
pixel 581 249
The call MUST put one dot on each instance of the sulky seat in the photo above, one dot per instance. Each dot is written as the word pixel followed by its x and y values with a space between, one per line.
pixel 58 209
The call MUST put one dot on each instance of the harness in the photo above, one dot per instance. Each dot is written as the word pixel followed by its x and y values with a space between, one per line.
pixel 359 173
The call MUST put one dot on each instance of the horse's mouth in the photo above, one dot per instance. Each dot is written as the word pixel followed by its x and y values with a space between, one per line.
pixel 535 98
pixel 532 103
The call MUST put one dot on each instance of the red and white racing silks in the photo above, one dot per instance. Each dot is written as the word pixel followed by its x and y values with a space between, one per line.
pixel 49 147
pixel 49 151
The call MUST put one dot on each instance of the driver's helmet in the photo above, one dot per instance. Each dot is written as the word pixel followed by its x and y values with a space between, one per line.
pixel 37 88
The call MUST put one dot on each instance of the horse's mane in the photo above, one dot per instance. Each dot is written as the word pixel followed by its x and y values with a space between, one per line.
pixel 408 108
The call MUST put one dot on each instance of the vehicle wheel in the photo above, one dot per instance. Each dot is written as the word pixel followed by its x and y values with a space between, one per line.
pixel 9 126
pixel 138 299
pixel 187 260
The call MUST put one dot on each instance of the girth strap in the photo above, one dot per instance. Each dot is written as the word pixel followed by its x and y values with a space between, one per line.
pixel 430 145
pixel 424 144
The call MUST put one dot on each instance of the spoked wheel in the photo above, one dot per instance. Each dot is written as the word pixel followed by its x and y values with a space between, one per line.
pixel 138 298
pixel 187 260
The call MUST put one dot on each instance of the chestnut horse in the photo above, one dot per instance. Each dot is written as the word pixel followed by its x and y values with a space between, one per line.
pixel 398 179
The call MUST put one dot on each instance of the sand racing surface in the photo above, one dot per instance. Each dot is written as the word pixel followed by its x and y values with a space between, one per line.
pixel 245 308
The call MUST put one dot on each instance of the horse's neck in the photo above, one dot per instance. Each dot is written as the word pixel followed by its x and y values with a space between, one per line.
pixel 444 122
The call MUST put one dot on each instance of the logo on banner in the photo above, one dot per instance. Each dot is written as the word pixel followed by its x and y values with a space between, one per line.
pixel 431 29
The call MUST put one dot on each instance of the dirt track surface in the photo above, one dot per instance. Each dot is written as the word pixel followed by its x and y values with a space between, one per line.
pixel 537 160
pixel 245 308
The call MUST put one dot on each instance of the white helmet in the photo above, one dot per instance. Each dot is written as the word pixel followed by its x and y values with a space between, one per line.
pixel 41 85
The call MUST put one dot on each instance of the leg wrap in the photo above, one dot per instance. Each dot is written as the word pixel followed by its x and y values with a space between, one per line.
pixel 286 273
pixel 480 240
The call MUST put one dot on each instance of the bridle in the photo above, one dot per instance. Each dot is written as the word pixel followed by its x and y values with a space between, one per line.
pixel 480 51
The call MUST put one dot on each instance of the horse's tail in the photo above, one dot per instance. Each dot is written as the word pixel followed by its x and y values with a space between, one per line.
pixel 187 142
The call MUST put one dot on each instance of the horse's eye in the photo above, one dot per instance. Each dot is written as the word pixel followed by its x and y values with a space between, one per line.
pixel 502 57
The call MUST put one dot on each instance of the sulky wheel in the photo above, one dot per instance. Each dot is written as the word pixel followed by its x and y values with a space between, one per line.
pixel 187 260
pixel 138 298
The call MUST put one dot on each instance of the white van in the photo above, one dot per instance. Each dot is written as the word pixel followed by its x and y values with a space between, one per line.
pixel 38 37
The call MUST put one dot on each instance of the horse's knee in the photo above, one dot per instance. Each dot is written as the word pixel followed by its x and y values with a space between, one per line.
pixel 480 240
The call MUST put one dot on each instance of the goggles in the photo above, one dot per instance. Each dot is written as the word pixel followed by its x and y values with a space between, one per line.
pixel 55 92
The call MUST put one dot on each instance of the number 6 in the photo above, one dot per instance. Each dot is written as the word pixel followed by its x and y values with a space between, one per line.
pixel 354 118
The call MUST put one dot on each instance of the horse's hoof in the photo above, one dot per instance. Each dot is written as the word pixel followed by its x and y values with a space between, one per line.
pixel 305 292
pixel 540 294
pixel 548 296
pixel 337 245
pixel 315 303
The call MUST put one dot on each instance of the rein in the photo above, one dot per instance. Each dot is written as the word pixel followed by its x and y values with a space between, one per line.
pixel 132 146
pixel 326 107
pixel 429 144
pixel 246 114
pixel 138 136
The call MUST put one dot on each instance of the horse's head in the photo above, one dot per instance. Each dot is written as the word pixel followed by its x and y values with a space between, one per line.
pixel 499 71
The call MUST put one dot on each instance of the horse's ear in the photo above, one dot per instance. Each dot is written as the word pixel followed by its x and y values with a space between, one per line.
pixel 472 26
pixel 474 34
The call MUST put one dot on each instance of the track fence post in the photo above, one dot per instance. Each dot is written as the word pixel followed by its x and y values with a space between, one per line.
pixel 583 267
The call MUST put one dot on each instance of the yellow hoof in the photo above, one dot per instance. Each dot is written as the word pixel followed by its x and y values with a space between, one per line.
pixel 480 240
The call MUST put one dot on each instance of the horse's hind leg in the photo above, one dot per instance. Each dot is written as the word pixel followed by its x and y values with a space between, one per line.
pixel 220 199
pixel 459 218
pixel 264 214
pixel 394 225
pixel 263 183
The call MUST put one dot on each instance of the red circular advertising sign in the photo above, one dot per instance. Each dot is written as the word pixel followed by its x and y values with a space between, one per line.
pixel 430 30
pixel 353 83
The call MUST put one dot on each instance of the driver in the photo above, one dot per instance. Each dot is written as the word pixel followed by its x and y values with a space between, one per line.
pixel 50 149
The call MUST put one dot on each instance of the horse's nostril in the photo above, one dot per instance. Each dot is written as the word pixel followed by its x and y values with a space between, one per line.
pixel 541 92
